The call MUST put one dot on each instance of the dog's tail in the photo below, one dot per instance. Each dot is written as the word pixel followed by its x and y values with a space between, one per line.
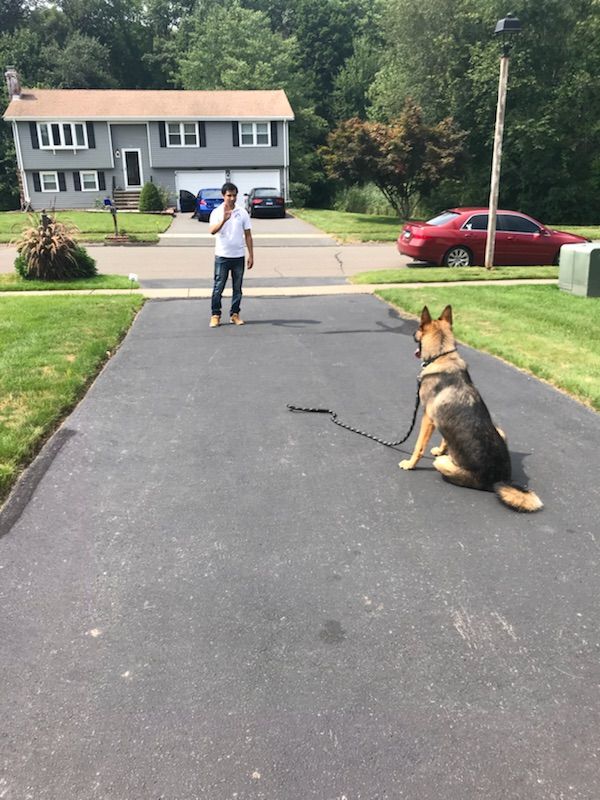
pixel 517 498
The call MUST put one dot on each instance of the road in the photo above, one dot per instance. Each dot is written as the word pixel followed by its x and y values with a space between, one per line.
pixel 288 250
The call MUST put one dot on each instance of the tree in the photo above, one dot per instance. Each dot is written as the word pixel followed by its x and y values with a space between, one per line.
pixel 325 31
pixel 15 49
pixel 121 26
pixel 260 58
pixel 11 15
pixel 352 83
pixel 165 16
pixel 406 159
pixel 81 63
pixel 9 187
pixel 444 54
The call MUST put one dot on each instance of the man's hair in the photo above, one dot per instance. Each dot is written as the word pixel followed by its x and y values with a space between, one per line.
pixel 228 187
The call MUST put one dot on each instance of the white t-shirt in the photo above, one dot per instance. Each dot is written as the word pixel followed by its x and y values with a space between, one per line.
pixel 231 241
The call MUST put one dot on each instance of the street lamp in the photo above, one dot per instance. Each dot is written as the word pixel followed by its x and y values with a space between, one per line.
pixel 505 28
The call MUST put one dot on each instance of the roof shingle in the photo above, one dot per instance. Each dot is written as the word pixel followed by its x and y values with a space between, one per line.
pixel 148 104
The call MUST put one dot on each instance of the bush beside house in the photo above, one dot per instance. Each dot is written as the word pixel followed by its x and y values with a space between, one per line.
pixel 150 198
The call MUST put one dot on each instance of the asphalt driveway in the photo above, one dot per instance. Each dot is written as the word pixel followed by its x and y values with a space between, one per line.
pixel 207 596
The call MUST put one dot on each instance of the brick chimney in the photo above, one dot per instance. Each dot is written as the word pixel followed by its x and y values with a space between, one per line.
pixel 13 83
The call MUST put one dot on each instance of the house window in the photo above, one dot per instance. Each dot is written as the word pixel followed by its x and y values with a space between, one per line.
pixel 182 134
pixel 255 134
pixel 80 135
pixel 49 181
pixel 62 135
pixel 89 181
pixel 44 135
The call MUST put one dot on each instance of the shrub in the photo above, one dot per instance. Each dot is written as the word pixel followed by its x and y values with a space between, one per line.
pixel 166 196
pixel 299 193
pixel 363 200
pixel 47 251
pixel 150 199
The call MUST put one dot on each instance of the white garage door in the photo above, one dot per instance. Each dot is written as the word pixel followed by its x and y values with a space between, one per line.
pixel 199 179
pixel 246 179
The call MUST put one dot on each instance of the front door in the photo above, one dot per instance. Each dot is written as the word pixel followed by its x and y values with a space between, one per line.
pixel 132 164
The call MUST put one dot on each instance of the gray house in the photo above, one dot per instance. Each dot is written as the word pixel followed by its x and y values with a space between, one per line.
pixel 77 146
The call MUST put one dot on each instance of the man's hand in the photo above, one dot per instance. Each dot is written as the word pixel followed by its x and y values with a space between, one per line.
pixel 250 246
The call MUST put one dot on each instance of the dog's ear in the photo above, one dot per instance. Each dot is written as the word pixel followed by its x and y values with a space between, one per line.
pixel 425 316
pixel 447 315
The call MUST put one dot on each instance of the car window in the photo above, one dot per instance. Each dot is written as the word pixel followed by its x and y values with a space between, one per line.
pixel 211 194
pixel 478 222
pixel 266 192
pixel 443 218
pixel 516 224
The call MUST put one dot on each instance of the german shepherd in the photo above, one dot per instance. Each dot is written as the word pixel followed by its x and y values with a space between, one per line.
pixel 473 451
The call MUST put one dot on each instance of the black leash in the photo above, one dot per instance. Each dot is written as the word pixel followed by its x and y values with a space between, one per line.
pixel 334 417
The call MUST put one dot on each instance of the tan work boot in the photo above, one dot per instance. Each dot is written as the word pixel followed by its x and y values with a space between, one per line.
pixel 215 321
pixel 236 320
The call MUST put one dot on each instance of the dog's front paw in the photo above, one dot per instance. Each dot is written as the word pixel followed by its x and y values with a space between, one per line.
pixel 406 464
pixel 437 451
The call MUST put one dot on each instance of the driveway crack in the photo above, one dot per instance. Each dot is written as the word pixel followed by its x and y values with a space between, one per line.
pixel 341 263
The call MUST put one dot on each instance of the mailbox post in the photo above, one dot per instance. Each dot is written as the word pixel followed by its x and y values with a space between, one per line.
pixel 113 211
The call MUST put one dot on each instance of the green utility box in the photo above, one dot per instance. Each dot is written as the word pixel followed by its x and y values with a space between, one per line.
pixel 579 269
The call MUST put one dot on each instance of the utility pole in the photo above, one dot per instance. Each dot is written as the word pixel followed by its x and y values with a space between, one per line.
pixel 496 161
pixel 506 28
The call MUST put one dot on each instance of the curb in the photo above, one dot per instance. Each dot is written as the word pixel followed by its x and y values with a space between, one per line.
pixel 285 291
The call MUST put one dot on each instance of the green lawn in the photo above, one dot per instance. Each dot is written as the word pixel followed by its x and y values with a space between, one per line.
pixel 50 350
pixel 443 274
pixel 349 227
pixel 552 334
pixel 14 283
pixel 93 225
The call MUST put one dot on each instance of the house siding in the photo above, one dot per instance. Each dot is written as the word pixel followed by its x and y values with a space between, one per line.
pixel 165 178
pixel 93 158
pixel 97 158
pixel 158 163
pixel 218 153
pixel 67 199
pixel 129 137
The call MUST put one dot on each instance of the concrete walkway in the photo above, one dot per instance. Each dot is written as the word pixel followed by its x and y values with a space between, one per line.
pixel 284 290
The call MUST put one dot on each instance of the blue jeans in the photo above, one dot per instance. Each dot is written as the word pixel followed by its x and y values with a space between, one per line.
pixel 223 266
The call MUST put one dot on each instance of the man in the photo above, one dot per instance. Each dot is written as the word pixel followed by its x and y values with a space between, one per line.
pixel 232 228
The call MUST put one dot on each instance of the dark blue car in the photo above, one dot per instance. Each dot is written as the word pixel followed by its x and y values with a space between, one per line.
pixel 206 201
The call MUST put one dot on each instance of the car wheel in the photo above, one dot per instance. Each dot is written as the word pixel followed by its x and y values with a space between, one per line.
pixel 458 256
pixel 282 215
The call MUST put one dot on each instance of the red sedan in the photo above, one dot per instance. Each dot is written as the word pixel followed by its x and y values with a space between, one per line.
pixel 456 238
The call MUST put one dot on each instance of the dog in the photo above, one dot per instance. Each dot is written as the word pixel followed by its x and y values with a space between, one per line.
pixel 473 451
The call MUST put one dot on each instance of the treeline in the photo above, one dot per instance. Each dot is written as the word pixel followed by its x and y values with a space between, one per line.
pixel 341 60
